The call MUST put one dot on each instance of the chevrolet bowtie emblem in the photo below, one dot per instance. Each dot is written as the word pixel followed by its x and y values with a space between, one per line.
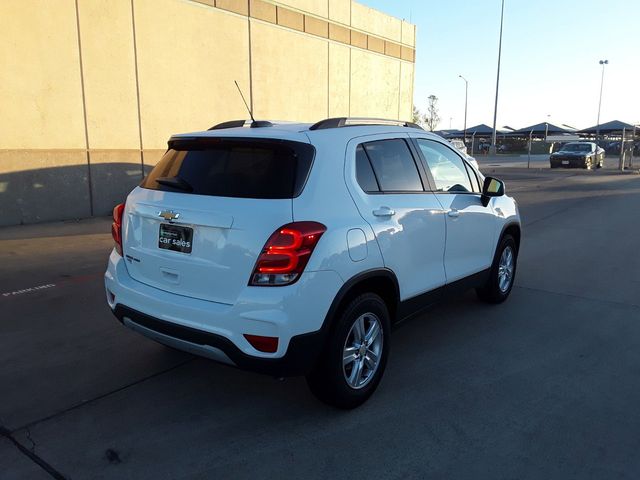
pixel 168 215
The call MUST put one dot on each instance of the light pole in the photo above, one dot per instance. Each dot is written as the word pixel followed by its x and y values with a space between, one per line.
pixel 603 63
pixel 466 91
pixel 495 108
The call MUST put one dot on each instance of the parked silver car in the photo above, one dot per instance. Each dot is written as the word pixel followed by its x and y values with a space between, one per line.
pixel 578 154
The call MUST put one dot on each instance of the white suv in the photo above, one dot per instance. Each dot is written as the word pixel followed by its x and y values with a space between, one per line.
pixel 291 249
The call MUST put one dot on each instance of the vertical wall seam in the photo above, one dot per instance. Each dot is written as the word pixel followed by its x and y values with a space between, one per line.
pixel 350 50
pixel 84 112
pixel 328 78
pixel 135 65
pixel 399 86
pixel 400 70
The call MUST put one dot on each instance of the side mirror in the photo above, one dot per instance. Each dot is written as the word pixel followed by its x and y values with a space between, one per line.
pixel 492 187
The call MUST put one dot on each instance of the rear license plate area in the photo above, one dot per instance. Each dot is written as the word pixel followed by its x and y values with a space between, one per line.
pixel 175 238
pixel 565 162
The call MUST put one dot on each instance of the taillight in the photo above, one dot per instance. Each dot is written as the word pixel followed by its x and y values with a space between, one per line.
pixel 116 227
pixel 263 344
pixel 286 253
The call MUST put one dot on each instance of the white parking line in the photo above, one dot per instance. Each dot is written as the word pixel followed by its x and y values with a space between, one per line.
pixel 28 290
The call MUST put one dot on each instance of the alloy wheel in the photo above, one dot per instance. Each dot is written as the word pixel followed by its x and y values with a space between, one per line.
pixel 362 350
pixel 505 269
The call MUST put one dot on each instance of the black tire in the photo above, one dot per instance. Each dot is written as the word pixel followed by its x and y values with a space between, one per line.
pixel 491 292
pixel 328 380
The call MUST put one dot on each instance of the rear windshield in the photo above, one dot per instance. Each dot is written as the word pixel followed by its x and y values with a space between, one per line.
pixel 577 147
pixel 246 168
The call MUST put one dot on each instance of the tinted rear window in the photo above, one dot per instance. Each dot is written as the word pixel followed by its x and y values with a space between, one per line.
pixel 394 166
pixel 245 168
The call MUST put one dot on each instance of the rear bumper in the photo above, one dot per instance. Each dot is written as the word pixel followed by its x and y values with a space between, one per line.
pixel 295 314
pixel 301 355
pixel 570 163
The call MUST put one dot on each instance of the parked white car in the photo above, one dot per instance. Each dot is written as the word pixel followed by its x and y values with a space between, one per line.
pixel 291 249
pixel 462 148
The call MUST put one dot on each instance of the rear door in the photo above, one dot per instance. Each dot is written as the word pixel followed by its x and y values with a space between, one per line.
pixel 198 222
pixel 387 183
pixel 471 227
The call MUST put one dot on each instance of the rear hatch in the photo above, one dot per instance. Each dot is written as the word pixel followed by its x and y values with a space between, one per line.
pixel 197 223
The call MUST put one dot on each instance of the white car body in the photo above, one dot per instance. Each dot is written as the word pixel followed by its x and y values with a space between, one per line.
pixel 431 240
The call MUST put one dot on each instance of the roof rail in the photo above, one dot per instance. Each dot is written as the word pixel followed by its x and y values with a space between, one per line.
pixel 339 122
pixel 242 123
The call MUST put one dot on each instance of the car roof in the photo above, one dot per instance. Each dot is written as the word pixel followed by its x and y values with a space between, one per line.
pixel 303 132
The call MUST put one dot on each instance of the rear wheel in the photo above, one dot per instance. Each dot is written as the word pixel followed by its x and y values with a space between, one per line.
pixel 502 274
pixel 356 354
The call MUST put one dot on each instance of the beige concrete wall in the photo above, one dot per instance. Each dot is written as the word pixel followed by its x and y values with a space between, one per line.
pixel 40 87
pixel 108 62
pixel 316 7
pixel 187 67
pixel 91 90
pixel 375 81
pixel 290 74
pixel 340 11
pixel 372 21
pixel 339 79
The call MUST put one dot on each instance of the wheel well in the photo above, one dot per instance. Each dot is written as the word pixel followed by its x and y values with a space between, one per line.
pixel 514 231
pixel 381 285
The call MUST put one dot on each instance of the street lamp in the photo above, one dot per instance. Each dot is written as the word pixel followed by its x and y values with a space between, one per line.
pixel 495 108
pixel 603 63
pixel 466 91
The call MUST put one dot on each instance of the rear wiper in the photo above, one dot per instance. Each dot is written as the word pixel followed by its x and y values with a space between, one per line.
pixel 175 182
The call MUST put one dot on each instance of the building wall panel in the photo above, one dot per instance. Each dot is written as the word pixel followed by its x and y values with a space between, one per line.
pixel 40 84
pixel 187 67
pixel 290 74
pixel 106 32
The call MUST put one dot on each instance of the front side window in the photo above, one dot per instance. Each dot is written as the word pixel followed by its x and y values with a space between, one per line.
pixel 447 168
pixel 394 166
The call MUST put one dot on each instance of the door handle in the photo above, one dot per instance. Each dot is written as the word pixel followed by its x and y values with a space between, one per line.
pixel 453 213
pixel 384 212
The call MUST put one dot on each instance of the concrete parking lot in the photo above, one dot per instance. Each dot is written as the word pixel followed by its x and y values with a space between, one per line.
pixel 546 385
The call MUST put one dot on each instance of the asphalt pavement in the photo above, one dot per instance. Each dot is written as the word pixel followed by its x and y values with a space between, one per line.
pixel 546 385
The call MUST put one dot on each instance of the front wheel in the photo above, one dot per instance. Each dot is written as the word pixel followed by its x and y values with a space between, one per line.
pixel 502 273
pixel 356 354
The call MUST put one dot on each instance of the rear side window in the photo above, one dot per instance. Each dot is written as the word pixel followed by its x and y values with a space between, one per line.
pixel 245 168
pixel 394 166
pixel 364 172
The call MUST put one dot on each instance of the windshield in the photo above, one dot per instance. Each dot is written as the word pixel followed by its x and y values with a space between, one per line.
pixel 576 147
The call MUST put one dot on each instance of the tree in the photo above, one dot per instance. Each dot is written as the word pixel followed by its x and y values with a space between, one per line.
pixel 432 119
pixel 418 117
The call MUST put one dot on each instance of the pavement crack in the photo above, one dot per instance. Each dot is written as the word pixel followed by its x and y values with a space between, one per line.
pixel 33 444
pixel 30 453
pixel 27 426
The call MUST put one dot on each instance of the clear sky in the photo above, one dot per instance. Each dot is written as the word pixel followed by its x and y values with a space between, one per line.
pixel 550 54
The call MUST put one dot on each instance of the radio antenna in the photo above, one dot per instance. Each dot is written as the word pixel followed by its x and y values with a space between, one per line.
pixel 245 102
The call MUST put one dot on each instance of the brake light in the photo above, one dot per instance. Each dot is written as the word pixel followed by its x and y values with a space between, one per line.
pixel 286 253
pixel 116 227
